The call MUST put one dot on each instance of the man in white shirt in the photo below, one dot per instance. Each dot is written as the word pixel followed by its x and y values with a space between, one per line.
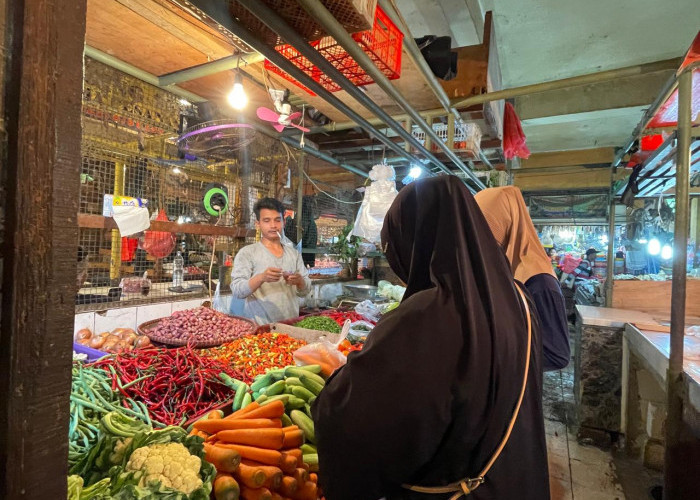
pixel 268 275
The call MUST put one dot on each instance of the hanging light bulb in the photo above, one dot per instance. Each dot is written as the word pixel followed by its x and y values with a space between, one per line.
pixel 654 247
pixel 415 172
pixel 666 252
pixel 237 98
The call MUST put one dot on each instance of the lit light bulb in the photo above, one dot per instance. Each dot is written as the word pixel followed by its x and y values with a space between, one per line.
pixel 643 241
pixel 604 239
pixel 654 247
pixel 666 252
pixel 176 170
pixel 237 98
pixel 415 172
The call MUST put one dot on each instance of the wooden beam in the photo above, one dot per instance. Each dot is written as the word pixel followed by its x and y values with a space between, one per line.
pixel 42 92
pixel 568 158
pixel 177 26
pixel 101 222
pixel 570 178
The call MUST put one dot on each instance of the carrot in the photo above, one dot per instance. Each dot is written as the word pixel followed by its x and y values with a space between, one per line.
pixel 226 487
pixel 288 487
pixel 252 406
pixel 202 434
pixel 277 496
pixel 271 439
pixel 224 424
pixel 273 478
pixel 296 453
pixel 255 494
pixel 215 414
pixel 306 491
pixel 290 428
pixel 225 460
pixel 293 439
pixel 267 457
pixel 288 463
pixel 252 477
pixel 301 475
pixel 274 409
pixel 313 477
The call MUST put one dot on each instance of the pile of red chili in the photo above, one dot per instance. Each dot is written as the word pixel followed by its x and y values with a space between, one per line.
pixel 256 354
pixel 176 385
pixel 341 316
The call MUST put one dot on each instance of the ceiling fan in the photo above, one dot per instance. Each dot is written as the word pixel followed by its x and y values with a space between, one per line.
pixel 283 117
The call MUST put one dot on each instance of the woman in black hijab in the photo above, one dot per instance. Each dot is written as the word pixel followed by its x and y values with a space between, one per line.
pixel 430 398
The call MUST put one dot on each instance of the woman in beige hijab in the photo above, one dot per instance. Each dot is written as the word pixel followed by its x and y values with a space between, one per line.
pixel 507 215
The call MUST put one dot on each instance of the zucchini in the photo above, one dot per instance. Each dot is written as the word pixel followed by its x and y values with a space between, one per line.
pixel 308 449
pixel 269 399
pixel 276 374
pixel 312 461
pixel 312 368
pixel 261 399
pixel 247 399
pixel 286 421
pixel 305 424
pixel 294 381
pixel 240 394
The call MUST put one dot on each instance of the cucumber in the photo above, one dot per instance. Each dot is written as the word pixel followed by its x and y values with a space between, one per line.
pixel 256 395
pixel 269 399
pixel 307 410
pixel 303 393
pixel 311 401
pixel 261 399
pixel 294 381
pixel 308 449
pixel 312 461
pixel 276 374
pixel 312 368
pixel 261 381
pixel 276 388
pixel 294 402
pixel 247 399
pixel 296 371
pixel 238 399
pixel 305 424
pixel 311 384
pixel 286 421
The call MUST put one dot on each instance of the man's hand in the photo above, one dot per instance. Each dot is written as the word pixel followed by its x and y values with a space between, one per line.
pixel 271 275
pixel 295 280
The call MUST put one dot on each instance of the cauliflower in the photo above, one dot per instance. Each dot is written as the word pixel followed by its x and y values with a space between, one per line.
pixel 171 464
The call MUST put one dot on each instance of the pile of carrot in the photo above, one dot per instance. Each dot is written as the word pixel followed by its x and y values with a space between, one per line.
pixel 256 458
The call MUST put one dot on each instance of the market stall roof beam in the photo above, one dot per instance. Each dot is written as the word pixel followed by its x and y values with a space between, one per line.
pixel 209 68
pixel 319 12
pixel 278 24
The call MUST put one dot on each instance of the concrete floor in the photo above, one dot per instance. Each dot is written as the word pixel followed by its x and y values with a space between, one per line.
pixel 580 472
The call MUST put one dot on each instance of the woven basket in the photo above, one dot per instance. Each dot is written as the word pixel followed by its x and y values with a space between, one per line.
pixel 147 327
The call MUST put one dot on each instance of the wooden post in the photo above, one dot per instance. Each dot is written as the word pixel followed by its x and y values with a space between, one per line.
pixel 43 87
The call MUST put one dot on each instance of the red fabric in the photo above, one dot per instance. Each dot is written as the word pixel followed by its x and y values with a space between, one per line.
pixel 693 52
pixel 513 136
pixel 129 246
pixel 159 244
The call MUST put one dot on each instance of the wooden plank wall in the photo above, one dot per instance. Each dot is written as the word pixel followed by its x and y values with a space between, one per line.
pixel 43 87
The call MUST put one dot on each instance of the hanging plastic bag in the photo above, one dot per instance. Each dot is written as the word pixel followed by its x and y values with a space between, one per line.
pixel 159 244
pixel 378 197
pixel 359 330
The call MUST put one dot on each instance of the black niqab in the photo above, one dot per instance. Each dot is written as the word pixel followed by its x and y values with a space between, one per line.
pixel 429 398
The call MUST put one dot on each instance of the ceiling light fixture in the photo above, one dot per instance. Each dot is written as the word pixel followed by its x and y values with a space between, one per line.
pixel 237 98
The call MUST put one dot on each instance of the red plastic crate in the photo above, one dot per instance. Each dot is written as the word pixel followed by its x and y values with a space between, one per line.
pixel 382 44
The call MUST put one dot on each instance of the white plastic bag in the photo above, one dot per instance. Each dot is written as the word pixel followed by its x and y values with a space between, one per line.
pixel 369 310
pixel 379 196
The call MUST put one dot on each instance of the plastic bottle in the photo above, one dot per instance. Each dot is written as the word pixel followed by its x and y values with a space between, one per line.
pixel 178 269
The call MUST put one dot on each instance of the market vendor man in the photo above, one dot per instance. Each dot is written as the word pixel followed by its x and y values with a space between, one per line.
pixel 270 276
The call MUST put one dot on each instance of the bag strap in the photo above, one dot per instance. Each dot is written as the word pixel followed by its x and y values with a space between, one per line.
pixel 467 485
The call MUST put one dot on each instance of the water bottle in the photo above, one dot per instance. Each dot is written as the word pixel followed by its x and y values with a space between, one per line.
pixel 178 269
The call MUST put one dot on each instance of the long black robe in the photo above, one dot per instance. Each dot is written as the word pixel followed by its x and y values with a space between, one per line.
pixel 429 398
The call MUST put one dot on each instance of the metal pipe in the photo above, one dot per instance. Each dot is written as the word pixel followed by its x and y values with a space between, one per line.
pixel 610 272
pixel 674 457
pixel 218 11
pixel 142 75
pixel 319 12
pixel 115 260
pixel 536 88
pixel 300 195
pixel 209 68
pixel 277 24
